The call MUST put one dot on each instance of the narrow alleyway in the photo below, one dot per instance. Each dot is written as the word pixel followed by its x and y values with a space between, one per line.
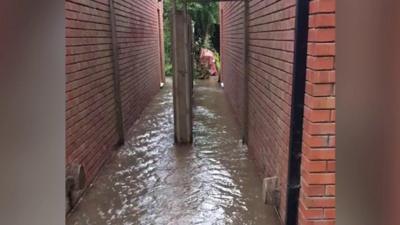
pixel 152 181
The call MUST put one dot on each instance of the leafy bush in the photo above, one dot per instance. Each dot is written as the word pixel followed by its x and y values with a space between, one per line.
pixel 217 61
pixel 168 70
pixel 204 16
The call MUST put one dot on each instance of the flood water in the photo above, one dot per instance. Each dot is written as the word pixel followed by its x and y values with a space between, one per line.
pixel 152 181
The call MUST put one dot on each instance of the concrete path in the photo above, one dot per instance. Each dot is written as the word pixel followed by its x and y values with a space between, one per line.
pixel 152 181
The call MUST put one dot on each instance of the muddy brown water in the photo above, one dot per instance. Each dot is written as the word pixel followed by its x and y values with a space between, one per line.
pixel 152 181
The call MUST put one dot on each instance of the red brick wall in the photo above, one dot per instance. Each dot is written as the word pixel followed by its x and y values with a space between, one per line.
pixel 232 54
pixel 139 55
pixel 271 48
pixel 90 117
pixel 271 45
pixel 317 196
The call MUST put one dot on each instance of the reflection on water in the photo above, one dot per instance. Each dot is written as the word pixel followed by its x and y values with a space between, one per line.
pixel 152 181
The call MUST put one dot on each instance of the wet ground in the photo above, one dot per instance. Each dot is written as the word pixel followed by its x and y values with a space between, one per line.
pixel 152 181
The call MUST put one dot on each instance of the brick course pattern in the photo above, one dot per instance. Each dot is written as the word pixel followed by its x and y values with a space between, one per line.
pixel 232 54
pixel 271 45
pixel 139 55
pixel 90 117
pixel 270 70
pixel 317 195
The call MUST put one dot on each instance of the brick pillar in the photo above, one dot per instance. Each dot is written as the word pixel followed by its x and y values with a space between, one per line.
pixel 318 177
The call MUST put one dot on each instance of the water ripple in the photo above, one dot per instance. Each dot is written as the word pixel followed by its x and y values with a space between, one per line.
pixel 152 181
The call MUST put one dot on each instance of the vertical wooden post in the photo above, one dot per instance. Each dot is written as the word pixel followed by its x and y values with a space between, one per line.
pixel 116 82
pixel 245 107
pixel 190 58
pixel 161 44
pixel 221 39
pixel 182 81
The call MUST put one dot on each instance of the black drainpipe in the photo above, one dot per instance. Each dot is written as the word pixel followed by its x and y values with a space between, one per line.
pixel 297 110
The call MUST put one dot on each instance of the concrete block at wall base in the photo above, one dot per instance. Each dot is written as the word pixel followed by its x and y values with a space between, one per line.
pixel 270 191
pixel 75 181
pixel 72 195
pixel 76 172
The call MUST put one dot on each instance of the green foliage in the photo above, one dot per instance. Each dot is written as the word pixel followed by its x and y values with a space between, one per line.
pixel 202 72
pixel 167 37
pixel 204 17
pixel 168 69
pixel 217 61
